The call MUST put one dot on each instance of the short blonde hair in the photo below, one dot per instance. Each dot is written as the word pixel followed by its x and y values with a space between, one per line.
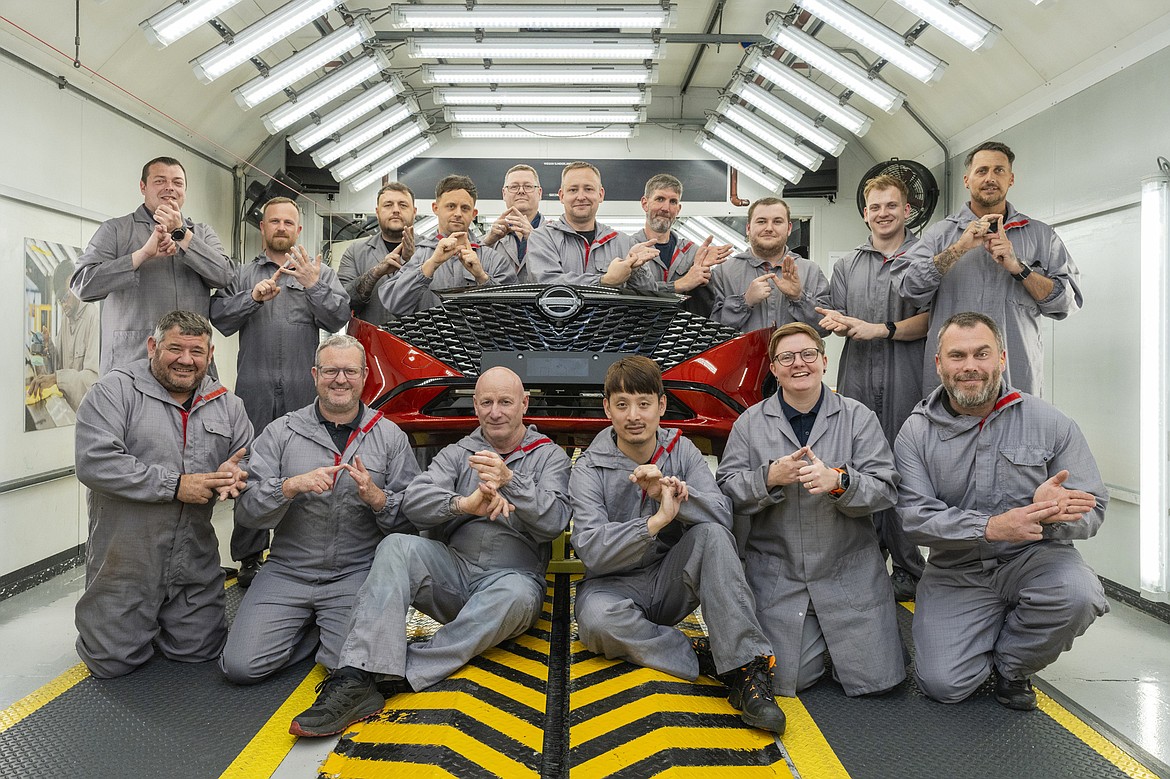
pixel 793 328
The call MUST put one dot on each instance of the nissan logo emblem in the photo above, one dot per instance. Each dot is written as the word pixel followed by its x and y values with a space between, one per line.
pixel 559 303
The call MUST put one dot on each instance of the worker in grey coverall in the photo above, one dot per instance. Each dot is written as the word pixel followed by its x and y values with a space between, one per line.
pixel 149 262
pixel 998 484
pixel 449 260
pixel 328 479
pixel 510 232
pixel 881 362
pixel 767 286
pixel 490 504
pixel 652 529
pixel 76 352
pixel 807 468
pixel 992 259
pixel 278 303
pixel 681 267
pixel 158 441
pixel 367 266
pixel 577 249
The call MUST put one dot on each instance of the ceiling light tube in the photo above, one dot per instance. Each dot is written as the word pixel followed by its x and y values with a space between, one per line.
pixel 178 19
pixel 601 49
pixel 255 38
pixel 530 97
pixel 424 226
pixel 693 231
pixel 487 17
pixel 717 148
pixel 954 20
pixel 581 131
pixel 762 129
pixel 763 156
pixel 328 89
pixel 788 116
pixel 344 116
pixel 809 92
pixel 378 149
pixel 542 115
pixel 836 67
pixel 301 64
pixel 385 165
pixel 539 75
pixel 371 129
pixel 1153 519
pixel 720 232
pixel 878 38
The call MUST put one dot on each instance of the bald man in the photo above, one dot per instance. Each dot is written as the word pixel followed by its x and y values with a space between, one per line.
pixel 492 503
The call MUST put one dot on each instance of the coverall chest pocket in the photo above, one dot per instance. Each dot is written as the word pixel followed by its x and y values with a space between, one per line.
pixel 1021 469
pixel 211 443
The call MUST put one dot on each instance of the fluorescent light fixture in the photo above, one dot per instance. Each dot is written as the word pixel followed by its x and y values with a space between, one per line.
pixel 178 19
pixel 582 131
pixel 719 232
pixel 301 64
pixel 530 97
pixel 373 128
pixel 954 20
pixel 542 115
pixel 382 147
pixel 763 156
pixel 425 226
pixel 540 75
pixel 878 38
pixel 257 37
pixel 717 148
pixel 693 231
pixel 602 49
pixel 344 116
pixel 762 129
pixel 808 92
pixel 328 89
pixel 382 167
pixel 837 67
pixel 1154 523
pixel 794 120
pixel 487 17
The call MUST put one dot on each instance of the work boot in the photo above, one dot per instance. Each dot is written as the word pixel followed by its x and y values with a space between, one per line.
pixel 1015 693
pixel 347 695
pixel 702 648
pixel 751 693
pixel 905 584
pixel 249 567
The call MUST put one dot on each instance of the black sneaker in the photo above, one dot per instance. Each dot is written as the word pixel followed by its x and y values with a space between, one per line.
pixel 1015 693
pixel 249 567
pixel 905 584
pixel 751 693
pixel 388 688
pixel 702 648
pixel 346 696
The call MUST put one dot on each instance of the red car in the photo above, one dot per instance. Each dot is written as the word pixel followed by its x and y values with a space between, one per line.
pixel 560 339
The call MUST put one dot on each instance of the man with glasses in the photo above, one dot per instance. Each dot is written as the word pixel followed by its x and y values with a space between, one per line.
pixel 490 504
pixel 509 233
pixel 328 480
pixel 998 484
pixel 367 266
pixel 767 286
pixel 278 303
pixel 806 468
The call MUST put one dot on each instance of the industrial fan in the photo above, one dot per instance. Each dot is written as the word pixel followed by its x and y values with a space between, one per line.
pixel 918 180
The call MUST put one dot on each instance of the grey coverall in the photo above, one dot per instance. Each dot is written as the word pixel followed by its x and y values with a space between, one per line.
pixel 411 290
pixel 1016 606
pixel 483 579
pixel 558 255
pixel 152 562
pixel 638 586
pixel 357 260
pixel 509 246
pixel 322 546
pixel 729 283
pixel 699 300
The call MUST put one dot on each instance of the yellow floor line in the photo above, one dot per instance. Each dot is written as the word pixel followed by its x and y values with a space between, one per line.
pixel 806 745
pixel 35 700
pixel 272 743
pixel 622 756
pixel 1094 740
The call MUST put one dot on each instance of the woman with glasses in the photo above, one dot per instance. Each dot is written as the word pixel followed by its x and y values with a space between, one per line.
pixel 805 469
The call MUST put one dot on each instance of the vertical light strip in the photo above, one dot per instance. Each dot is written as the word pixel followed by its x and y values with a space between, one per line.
pixel 1153 514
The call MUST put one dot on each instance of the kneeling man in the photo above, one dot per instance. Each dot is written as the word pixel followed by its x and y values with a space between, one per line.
pixel 328 479
pixel 653 531
pixel 998 484
pixel 491 504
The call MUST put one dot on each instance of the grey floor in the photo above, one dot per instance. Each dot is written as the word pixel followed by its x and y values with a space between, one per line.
pixel 1119 671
